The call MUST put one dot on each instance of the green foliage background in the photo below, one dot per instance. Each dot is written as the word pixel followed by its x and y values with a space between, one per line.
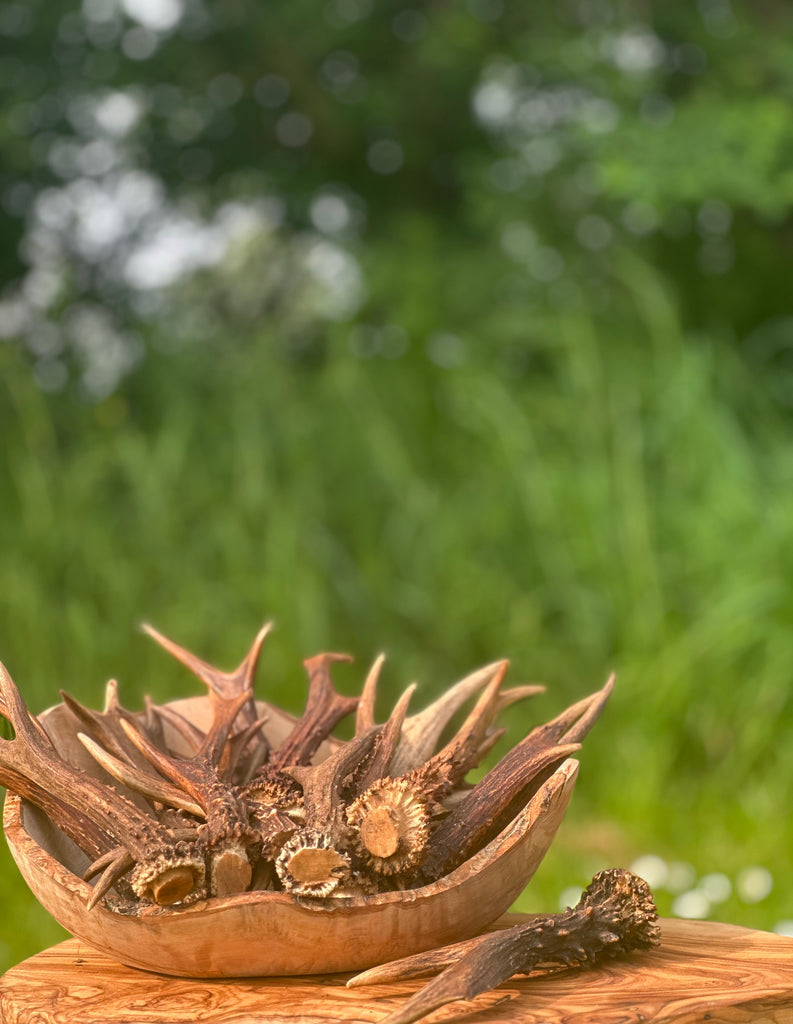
pixel 523 391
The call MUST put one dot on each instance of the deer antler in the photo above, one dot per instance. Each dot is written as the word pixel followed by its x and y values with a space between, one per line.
pixel 162 871
pixel 227 832
pixel 494 801
pixel 615 915
pixel 325 708
pixel 224 684
pixel 314 861
pixel 386 810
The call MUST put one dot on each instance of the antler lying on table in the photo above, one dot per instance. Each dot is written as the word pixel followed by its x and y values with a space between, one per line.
pixel 616 915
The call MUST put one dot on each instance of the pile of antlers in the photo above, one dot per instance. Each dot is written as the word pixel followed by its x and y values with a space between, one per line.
pixel 388 809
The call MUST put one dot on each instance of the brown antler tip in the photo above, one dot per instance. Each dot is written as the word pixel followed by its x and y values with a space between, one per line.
pixel 328 657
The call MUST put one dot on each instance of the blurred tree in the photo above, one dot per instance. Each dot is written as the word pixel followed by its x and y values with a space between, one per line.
pixel 142 140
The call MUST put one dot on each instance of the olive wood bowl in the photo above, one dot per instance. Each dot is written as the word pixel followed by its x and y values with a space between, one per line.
pixel 268 932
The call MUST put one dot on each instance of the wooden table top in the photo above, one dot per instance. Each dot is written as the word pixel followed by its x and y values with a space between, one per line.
pixel 702 971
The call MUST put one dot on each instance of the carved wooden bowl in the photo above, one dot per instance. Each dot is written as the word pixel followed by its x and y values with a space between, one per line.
pixel 268 932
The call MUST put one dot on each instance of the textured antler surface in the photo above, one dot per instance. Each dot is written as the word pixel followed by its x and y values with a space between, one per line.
pixel 615 916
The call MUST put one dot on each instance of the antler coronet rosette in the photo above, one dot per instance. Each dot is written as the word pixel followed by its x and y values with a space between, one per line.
pixel 170 876
pixel 389 826
pixel 310 865
pixel 275 792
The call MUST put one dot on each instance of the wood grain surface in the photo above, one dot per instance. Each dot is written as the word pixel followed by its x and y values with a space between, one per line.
pixel 702 972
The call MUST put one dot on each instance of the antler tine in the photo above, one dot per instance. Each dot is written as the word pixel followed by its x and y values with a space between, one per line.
pixel 421 731
pixel 462 752
pixel 515 694
pixel 379 765
pixel 576 721
pixel 226 712
pixel 152 723
pixel 504 699
pixel 121 863
pixel 250 762
pixel 189 732
pixel 325 707
pixel 101 862
pixel 364 716
pixel 225 684
pixel 419 965
pixel 112 702
pixel 593 706
pixel 151 786
pixel 14 709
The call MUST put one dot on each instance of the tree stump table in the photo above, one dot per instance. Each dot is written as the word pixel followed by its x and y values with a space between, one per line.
pixel 702 972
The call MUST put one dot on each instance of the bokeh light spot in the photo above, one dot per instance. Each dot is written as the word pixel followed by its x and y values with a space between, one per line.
pixel 693 905
pixel 225 90
pixel 594 232
pixel 409 25
pixel 385 156
pixel 446 350
pixel 754 884
pixel 158 15
pixel 139 43
pixel 294 129
pixel 330 213
pixel 272 91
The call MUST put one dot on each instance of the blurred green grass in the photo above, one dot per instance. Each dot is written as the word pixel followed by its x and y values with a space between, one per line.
pixel 628 506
